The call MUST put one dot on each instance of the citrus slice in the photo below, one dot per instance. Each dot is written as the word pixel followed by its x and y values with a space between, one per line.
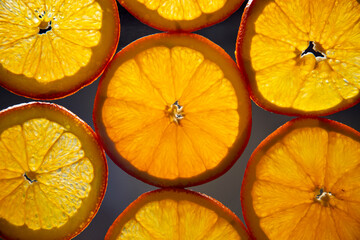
pixel 53 173
pixel 301 57
pixel 176 214
pixel 190 15
pixel 50 49
pixel 302 182
pixel 172 110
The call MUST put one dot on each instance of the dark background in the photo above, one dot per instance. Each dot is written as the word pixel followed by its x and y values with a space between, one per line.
pixel 122 188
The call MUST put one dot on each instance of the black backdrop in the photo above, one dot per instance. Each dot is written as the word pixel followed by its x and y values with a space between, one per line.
pixel 122 188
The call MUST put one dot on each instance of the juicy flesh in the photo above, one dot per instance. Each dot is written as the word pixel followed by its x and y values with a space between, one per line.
pixel 48 40
pixel 44 174
pixel 183 10
pixel 136 112
pixel 307 186
pixel 288 78
pixel 171 219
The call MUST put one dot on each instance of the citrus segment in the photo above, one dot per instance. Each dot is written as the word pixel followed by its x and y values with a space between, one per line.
pixel 172 110
pixel 299 60
pixel 49 176
pixel 301 182
pixel 45 42
pixel 174 15
pixel 176 214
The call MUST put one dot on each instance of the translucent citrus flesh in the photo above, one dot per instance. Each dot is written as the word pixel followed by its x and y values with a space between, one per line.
pixel 171 112
pixel 183 10
pixel 282 31
pixel 47 40
pixel 176 215
pixel 307 186
pixel 44 174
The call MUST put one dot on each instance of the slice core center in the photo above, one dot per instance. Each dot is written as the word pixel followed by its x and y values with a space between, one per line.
pixel 323 197
pixel 30 176
pixel 313 48
pixel 44 27
pixel 175 112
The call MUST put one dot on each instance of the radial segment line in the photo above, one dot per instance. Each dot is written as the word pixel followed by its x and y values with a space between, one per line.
pixel 275 64
pixel 39 61
pixel 56 204
pixel 15 24
pixel 81 8
pixel 195 150
pixel 347 213
pixel 287 16
pixel 157 147
pixel 144 75
pixel 348 82
pixel 55 53
pixel 327 19
pixel 20 183
pixel 336 226
pixel 212 227
pixel 210 134
pixel 282 184
pixel 191 78
pixel 298 164
pixel 136 131
pixel 139 222
pixel 344 175
pixel 37 207
pixel 287 208
pixel 25 145
pixel 297 224
pixel 27 54
pixel 66 165
pixel 136 103
pixel 7 149
pixel 67 40
pixel 172 72
pixel 32 11
pixel 278 40
pixel 58 9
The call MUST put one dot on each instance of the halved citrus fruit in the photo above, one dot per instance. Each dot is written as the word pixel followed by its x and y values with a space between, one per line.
pixel 172 110
pixel 301 57
pixel 302 182
pixel 50 49
pixel 176 214
pixel 53 173
pixel 184 16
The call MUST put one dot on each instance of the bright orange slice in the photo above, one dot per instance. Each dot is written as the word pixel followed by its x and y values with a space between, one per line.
pixel 189 15
pixel 301 57
pixel 50 49
pixel 172 110
pixel 302 182
pixel 53 173
pixel 176 214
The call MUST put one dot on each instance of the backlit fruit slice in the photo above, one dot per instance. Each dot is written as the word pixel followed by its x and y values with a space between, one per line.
pixel 176 214
pixel 303 181
pixel 189 15
pixel 53 173
pixel 301 57
pixel 172 110
pixel 50 49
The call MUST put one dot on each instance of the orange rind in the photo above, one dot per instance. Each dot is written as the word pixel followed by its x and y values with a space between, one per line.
pixel 51 49
pixel 173 110
pixel 301 57
pixel 302 182
pixel 53 173
pixel 176 214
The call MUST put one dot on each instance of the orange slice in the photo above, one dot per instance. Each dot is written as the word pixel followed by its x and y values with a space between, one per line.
pixel 172 110
pixel 302 182
pixel 176 214
pixel 190 15
pixel 50 49
pixel 53 173
pixel 301 57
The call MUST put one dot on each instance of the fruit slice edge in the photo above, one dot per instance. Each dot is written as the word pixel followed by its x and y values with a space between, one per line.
pixel 194 202
pixel 79 220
